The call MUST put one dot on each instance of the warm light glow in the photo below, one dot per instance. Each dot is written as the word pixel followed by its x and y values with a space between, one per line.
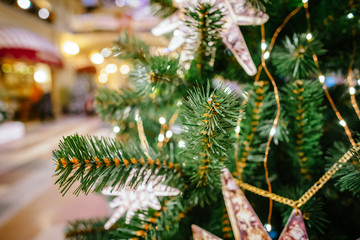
pixel 24 4
pixel 182 144
pixel 352 90
pixel 6 68
pixel 41 76
pixel 350 16
pixel 322 78
pixel 342 123
pixel 124 69
pixel 43 13
pixel 263 46
pixel 71 48
pixel 97 58
pixel 111 68
pixel 103 77
pixel 237 129
pixel 116 129
pixel 272 131
pixel 309 36
pixel 168 134
pixel 161 137
pixel 106 52
pixel 266 55
pixel 162 120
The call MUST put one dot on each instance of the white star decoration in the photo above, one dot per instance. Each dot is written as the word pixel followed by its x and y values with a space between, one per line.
pixel 237 12
pixel 129 200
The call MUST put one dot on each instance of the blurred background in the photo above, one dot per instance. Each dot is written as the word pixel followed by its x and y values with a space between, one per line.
pixel 54 54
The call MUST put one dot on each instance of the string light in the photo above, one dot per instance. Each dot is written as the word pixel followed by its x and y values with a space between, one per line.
pixel 263 46
pixel 182 144
pixel 106 52
pixel 309 36
pixel 237 129
pixel 342 123
pixel 162 120
pixel 111 68
pixel 169 134
pixel 71 48
pixel 272 131
pixel 350 16
pixel 24 4
pixel 268 227
pixel 161 137
pixel 97 58
pixel 103 77
pixel 124 69
pixel 304 1
pixel 116 129
pixel 43 13
pixel 352 90
pixel 322 78
pixel 266 55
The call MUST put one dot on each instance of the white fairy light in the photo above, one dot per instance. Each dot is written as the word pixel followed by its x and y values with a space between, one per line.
pixel 263 46
pixel 137 117
pixel 358 81
pixel 309 36
pixel 304 1
pixel 162 120
pixel 179 103
pixel 24 4
pixel 266 55
pixel 161 137
pixel 272 131
pixel 182 144
pixel 342 123
pixel 352 90
pixel 97 58
pixel 350 16
pixel 111 68
pixel 125 69
pixel 268 227
pixel 169 134
pixel 322 78
pixel 116 129
pixel 237 129
pixel 43 13
pixel 106 52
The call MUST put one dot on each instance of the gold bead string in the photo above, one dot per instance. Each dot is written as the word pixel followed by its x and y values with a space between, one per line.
pixel 316 61
pixel 311 191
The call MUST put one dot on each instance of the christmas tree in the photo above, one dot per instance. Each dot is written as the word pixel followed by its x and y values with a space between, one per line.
pixel 236 128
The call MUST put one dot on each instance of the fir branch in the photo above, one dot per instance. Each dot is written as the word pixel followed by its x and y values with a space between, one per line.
pixel 159 79
pixel 90 229
pixel 304 113
pixel 153 224
pixel 130 47
pixel 162 8
pixel 294 58
pixel 99 162
pixel 112 105
pixel 209 118
pixel 203 27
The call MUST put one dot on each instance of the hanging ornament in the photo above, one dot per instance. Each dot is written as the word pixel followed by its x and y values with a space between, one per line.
pixel 201 234
pixel 244 221
pixel 128 201
pixel 237 13
pixel 295 227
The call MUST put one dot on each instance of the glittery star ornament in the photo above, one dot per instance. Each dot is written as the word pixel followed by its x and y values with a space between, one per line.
pixel 244 221
pixel 237 13
pixel 128 201
pixel 295 227
pixel 201 234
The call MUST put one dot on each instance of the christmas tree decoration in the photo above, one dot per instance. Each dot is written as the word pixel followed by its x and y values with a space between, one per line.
pixel 237 13
pixel 201 234
pixel 244 221
pixel 129 201
pixel 295 227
